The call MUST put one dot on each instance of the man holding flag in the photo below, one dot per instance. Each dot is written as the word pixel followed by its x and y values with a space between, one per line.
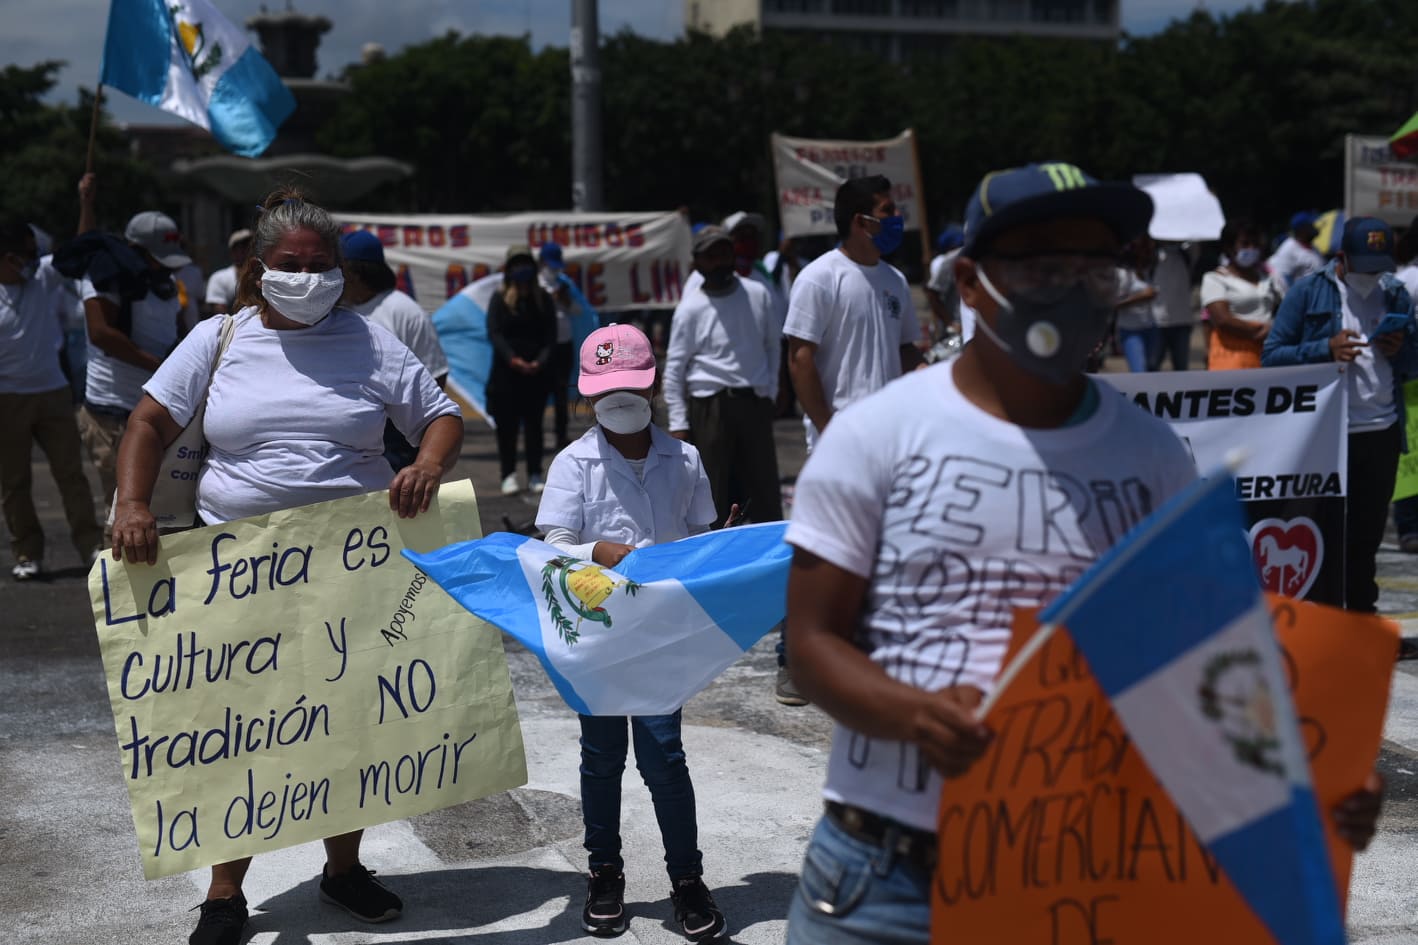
pixel 914 541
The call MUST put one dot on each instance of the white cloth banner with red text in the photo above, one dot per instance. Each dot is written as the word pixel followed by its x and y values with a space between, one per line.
pixel 808 172
pixel 619 260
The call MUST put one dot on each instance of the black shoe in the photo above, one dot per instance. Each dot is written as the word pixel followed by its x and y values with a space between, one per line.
pixel 221 922
pixel 360 894
pixel 784 691
pixel 695 910
pixel 604 914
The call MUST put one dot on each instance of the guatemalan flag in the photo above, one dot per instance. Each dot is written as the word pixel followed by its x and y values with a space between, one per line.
pixel 186 58
pixel 637 640
pixel 1174 627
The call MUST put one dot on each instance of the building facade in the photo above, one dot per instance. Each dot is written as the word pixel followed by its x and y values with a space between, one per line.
pixel 902 29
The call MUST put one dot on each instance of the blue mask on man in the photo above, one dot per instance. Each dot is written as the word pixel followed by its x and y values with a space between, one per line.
pixel 888 238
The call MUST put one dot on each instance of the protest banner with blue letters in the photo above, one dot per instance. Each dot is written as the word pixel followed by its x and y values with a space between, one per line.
pixel 638 639
pixel 1291 423
pixel 290 677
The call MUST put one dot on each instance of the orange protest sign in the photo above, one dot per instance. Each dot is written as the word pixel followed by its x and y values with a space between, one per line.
pixel 1060 835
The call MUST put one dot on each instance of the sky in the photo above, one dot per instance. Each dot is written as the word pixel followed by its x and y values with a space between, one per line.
pixel 73 30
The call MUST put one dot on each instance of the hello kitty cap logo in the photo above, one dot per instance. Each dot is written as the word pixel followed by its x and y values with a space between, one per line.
pixel 617 357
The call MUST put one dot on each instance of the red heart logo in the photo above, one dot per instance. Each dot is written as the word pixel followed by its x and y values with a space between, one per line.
pixel 1288 554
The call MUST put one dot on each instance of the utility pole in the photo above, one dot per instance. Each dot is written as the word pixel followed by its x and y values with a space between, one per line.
pixel 585 107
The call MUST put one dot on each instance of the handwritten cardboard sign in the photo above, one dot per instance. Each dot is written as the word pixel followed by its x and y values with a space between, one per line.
pixel 291 677
pixel 1061 836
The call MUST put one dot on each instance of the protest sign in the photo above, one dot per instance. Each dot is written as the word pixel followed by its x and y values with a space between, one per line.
pixel 1377 184
pixel 1184 208
pixel 1290 423
pixel 1060 835
pixel 292 676
pixel 617 260
pixel 1406 484
pixel 809 171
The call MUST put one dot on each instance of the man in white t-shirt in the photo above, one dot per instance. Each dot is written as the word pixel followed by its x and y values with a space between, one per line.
pixel 851 324
pixel 1296 256
pixel 370 290
pixel 940 282
pixel 222 286
pixel 35 404
pixel 721 380
pixel 932 508
pixel 129 338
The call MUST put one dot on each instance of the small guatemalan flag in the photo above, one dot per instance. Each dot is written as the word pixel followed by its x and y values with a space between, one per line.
pixel 1177 633
pixel 186 58
pixel 637 640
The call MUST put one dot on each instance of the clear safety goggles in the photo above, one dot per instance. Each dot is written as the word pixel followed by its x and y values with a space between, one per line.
pixel 1047 278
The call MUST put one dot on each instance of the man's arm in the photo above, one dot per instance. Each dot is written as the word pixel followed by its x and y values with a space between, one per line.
pixel 677 355
pixel 101 317
pixel 824 605
pixel 807 383
pixel 88 191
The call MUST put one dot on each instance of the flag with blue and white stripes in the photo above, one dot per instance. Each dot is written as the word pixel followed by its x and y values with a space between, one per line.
pixel 186 58
pixel 1175 629
pixel 637 639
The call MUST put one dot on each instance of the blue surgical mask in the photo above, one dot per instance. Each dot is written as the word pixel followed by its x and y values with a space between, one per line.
pixel 888 238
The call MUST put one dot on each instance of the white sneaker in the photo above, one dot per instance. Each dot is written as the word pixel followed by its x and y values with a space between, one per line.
pixel 25 569
pixel 509 485
pixel 536 484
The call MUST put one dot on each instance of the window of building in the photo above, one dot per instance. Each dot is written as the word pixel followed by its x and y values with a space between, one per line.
pixel 862 7
pixel 792 6
pixel 931 9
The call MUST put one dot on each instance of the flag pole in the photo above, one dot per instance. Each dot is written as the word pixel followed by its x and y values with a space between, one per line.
pixel 93 128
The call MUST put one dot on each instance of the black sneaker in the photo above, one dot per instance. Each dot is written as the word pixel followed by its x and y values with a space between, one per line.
pixel 360 894
pixel 604 914
pixel 221 922
pixel 695 910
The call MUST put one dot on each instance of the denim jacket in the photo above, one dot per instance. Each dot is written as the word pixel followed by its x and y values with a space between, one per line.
pixel 1312 313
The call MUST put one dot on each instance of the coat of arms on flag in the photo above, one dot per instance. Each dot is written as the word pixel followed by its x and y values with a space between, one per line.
pixel 584 590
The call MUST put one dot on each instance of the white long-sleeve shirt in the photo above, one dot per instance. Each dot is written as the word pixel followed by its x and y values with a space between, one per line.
pixel 719 342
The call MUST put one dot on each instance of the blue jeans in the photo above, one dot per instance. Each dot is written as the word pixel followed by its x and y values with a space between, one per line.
pixel 1175 344
pixel 660 757
pixel 1138 346
pixel 852 893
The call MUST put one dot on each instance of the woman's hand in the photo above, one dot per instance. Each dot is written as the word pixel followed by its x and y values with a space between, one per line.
pixel 414 487
pixel 1357 816
pixel 135 532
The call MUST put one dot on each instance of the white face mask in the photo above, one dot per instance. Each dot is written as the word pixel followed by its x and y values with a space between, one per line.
pixel 1362 283
pixel 623 412
pixel 304 297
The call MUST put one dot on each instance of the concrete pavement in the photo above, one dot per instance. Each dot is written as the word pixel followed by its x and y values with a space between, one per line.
pixel 506 870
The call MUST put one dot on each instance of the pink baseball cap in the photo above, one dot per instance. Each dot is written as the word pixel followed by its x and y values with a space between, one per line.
pixel 617 357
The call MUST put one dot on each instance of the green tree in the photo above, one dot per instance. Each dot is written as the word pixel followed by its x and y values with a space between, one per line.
pixel 42 157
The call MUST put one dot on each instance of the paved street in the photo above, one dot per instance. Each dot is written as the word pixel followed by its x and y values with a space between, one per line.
pixel 505 870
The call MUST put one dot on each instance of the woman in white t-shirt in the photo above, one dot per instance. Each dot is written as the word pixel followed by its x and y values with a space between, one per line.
pixel 295 415
pixel 1240 299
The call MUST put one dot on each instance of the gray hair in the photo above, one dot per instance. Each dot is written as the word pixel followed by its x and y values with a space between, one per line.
pixel 286 213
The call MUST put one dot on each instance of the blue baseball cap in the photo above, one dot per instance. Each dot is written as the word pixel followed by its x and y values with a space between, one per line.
pixel 1367 245
pixel 1051 191
pixel 949 238
pixel 1303 218
pixel 361 246
pixel 550 256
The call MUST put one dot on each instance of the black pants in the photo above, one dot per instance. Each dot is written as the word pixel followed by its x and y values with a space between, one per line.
pixel 518 406
pixel 734 435
pixel 1373 464
pixel 560 377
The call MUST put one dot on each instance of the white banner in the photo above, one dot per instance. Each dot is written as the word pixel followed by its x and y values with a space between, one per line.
pixel 809 172
pixel 1290 421
pixel 619 260
pixel 1185 209
pixel 1377 184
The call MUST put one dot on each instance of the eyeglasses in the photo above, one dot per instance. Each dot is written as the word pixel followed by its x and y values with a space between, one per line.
pixel 1047 277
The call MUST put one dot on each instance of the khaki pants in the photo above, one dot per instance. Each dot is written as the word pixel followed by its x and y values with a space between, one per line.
pixel 47 419
pixel 101 432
